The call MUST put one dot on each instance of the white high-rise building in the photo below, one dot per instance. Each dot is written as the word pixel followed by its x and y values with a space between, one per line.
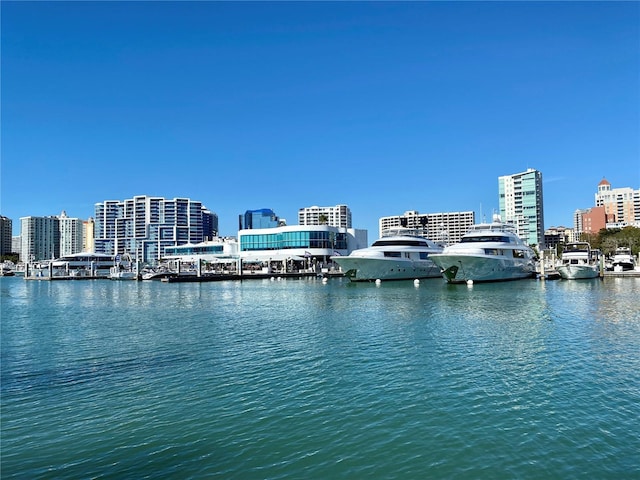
pixel 445 228
pixel 70 234
pixel 338 216
pixel 40 238
pixel 521 205
pixel 144 226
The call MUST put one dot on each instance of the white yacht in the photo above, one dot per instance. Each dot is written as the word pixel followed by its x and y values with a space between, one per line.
pixel 623 259
pixel 579 261
pixel 488 252
pixel 400 254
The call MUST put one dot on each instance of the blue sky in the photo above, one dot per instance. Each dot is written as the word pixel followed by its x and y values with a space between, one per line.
pixel 383 106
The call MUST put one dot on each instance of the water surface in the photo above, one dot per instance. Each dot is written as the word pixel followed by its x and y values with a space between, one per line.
pixel 300 379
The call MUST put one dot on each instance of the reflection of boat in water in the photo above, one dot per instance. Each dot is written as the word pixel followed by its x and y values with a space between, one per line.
pixel 488 252
pixel 399 255
pixel 578 262
pixel 623 259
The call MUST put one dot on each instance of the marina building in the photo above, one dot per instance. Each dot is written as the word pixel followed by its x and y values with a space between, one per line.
pixel 70 234
pixel 338 216
pixel 521 204
pixel 40 238
pixel 445 228
pixel 143 226
pixel 299 242
pixel 621 205
pixel 6 229
pixel 215 250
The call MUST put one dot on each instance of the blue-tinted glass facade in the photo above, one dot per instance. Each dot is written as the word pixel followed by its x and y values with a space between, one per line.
pixel 290 240
pixel 254 219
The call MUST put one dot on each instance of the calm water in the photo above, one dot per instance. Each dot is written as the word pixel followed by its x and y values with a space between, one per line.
pixel 300 379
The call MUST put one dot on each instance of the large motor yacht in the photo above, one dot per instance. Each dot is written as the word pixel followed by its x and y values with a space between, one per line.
pixel 401 254
pixel 488 252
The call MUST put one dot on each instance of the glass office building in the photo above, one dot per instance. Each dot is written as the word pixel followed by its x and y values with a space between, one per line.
pixel 262 218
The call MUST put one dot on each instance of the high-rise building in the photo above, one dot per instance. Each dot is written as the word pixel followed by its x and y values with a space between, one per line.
pixel 6 227
pixel 88 235
pixel 261 218
pixel 621 205
pixel 591 220
pixel 446 228
pixel 70 234
pixel 144 226
pixel 338 216
pixel 521 204
pixel 16 245
pixel 40 238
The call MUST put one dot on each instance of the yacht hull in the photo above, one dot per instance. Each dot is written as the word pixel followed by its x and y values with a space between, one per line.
pixel 578 272
pixel 482 268
pixel 361 269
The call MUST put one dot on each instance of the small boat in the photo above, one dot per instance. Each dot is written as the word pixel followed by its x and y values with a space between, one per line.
pixel 623 260
pixel 579 261
pixel 124 269
pixel 488 252
pixel 157 273
pixel 6 270
pixel 401 254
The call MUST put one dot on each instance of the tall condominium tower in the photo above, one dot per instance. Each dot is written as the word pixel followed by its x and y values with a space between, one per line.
pixel 70 234
pixel 446 228
pixel 144 226
pixel 40 238
pixel 621 205
pixel 521 205
pixel 338 216
pixel 88 235
pixel 6 226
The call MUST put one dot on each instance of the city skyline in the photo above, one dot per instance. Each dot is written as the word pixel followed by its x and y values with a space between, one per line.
pixel 379 106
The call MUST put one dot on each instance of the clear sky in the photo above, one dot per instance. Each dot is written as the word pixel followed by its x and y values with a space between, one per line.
pixel 383 106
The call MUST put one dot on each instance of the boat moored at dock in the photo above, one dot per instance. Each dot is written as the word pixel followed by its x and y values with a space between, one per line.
pixel 623 260
pixel 488 252
pixel 579 261
pixel 399 255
